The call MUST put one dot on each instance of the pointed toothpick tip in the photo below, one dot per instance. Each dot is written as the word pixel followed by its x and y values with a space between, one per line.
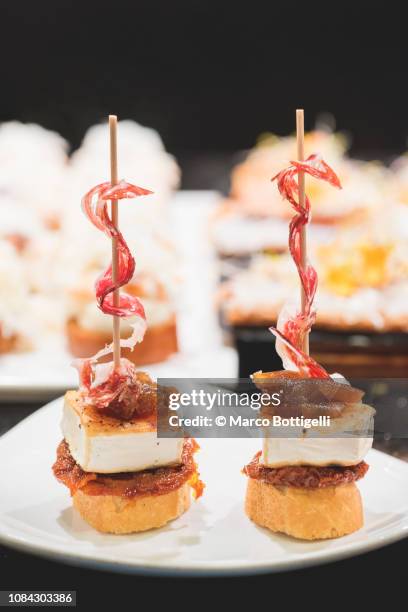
pixel 300 142
pixel 113 124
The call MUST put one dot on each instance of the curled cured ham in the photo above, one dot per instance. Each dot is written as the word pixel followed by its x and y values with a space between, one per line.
pixel 293 325
pixel 102 384
pixel 123 392
pixel 95 207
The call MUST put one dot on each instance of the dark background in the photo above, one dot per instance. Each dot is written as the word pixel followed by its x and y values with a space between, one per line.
pixel 210 76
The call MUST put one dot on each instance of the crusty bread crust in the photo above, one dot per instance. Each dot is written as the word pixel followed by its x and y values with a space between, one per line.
pixel 266 315
pixel 115 514
pixel 307 514
pixel 7 343
pixel 159 342
pixel 369 364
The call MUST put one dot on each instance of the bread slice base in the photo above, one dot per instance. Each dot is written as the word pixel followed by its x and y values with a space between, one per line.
pixel 307 514
pixel 115 514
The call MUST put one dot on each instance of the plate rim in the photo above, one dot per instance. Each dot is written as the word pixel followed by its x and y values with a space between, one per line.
pixel 16 388
pixel 240 568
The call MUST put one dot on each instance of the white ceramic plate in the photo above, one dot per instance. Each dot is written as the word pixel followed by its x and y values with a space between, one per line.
pixel 213 538
pixel 42 374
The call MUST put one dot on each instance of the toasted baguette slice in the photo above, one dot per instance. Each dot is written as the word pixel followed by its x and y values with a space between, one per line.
pixel 307 514
pixel 159 342
pixel 115 514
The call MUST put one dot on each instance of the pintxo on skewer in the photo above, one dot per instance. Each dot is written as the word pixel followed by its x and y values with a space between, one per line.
pixel 121 476
pixel 304 485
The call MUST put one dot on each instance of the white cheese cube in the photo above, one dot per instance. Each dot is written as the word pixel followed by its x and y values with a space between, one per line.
pixel 105 445
pixel 304 447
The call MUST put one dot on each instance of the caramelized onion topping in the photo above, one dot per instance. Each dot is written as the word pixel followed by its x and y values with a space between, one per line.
pixel 308 397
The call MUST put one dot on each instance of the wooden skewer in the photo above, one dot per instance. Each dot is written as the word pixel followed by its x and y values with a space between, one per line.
pixel 113 125
pixel 300 140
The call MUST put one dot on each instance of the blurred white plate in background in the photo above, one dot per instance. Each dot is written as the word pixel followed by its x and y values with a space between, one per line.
pixel 38 375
